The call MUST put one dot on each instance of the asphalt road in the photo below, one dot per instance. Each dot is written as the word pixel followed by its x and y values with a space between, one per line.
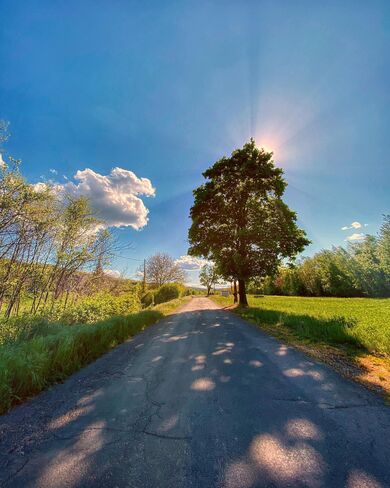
pixel 201 399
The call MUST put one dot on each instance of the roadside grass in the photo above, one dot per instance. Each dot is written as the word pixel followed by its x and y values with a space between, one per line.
pixel 167 308
pixel 55 351
pixel 350 334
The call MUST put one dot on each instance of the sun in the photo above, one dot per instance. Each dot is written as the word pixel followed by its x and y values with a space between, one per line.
pixel 266 147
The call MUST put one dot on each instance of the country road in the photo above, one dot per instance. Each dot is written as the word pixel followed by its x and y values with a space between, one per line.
pixel 202 399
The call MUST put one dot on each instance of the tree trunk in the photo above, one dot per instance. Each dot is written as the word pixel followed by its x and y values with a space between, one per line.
pixel 208 290
pixel 235 291
pixel 242 293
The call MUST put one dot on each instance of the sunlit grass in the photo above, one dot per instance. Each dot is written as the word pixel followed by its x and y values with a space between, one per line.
pixel 363 322
pixel 54 351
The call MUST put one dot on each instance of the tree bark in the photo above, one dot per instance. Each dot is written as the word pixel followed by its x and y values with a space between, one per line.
pixel 242 293
pixel 235 291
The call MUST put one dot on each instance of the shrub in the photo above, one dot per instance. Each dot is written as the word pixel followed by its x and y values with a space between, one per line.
pixel 167 292
pixel 99 307
pixel 147 299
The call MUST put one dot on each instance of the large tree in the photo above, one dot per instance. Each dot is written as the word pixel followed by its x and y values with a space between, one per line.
pixel 239 219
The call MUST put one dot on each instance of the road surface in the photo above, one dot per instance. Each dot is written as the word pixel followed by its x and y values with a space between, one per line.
pixel 202 399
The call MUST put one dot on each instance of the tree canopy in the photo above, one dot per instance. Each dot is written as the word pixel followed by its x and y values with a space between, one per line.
pixel 209 277
pixel 239 219
pixel 161 269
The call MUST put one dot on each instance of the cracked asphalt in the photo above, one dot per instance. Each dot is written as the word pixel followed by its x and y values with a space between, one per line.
pixel 201 399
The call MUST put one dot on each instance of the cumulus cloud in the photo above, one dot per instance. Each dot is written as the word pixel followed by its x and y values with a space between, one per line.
pixel 191 263
pixel 53 171
pixel 115 197
pixel 354 225
pixel 112 273
pixel 2 162
pixel 40 187
pixel 356 237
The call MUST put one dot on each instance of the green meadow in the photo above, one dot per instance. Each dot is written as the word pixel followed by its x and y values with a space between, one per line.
pixel 362 322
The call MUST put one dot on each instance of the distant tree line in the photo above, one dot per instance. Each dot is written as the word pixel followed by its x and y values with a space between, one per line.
pixel 360 270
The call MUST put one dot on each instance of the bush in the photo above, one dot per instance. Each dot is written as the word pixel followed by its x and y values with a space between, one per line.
pixel 147 299
pixel 167 292
pixel 100 306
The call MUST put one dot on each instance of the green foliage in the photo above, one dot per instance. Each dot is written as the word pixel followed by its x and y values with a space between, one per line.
pixel 100 306
pixel 167 292
pixel 189 291
pixel 239 219
pixel 359 270
pixel 87 310
pixel 27 367
pixel 48 352
pixel 384 245
pixel 49 245
pixel 209 277
pixel 363 322
pixel 147 299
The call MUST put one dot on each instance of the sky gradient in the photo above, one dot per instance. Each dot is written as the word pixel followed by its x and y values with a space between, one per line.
pixel 164 89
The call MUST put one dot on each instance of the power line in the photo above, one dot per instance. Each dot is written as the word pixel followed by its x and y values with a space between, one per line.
pixel 127 257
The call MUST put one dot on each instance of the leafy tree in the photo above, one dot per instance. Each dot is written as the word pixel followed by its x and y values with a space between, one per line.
pixel 239 219
pixel 161 269
pixel 362 269
pixel 290 283
pixel 384 246
pixel 369 275
pixel 209 277
pixel 333 272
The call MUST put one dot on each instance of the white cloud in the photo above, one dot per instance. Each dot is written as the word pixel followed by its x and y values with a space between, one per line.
pixel 191 263
pixel 354 225
pixel 40 187
pixel 3 164
pixel 114 197
pixel 112 273
pixel 53 171
pixel 356 237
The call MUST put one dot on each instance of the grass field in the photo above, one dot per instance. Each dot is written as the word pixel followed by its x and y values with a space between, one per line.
pixel 352 335
pixel 361 322
pixel 51 352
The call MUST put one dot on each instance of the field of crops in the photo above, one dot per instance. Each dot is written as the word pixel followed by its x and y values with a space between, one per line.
pixel 362 322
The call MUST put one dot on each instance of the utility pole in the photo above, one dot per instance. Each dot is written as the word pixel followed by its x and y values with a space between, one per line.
pixel 144 280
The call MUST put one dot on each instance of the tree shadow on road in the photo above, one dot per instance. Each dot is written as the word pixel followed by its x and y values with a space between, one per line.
pixel 201 399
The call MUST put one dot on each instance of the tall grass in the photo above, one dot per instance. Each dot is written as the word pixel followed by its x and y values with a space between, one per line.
pixel 53 351
pixel 363 322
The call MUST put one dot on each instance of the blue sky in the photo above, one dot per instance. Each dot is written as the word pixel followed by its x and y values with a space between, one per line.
pixel 163 89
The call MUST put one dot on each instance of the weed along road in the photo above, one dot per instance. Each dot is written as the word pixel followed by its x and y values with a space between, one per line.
pixel 201 399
